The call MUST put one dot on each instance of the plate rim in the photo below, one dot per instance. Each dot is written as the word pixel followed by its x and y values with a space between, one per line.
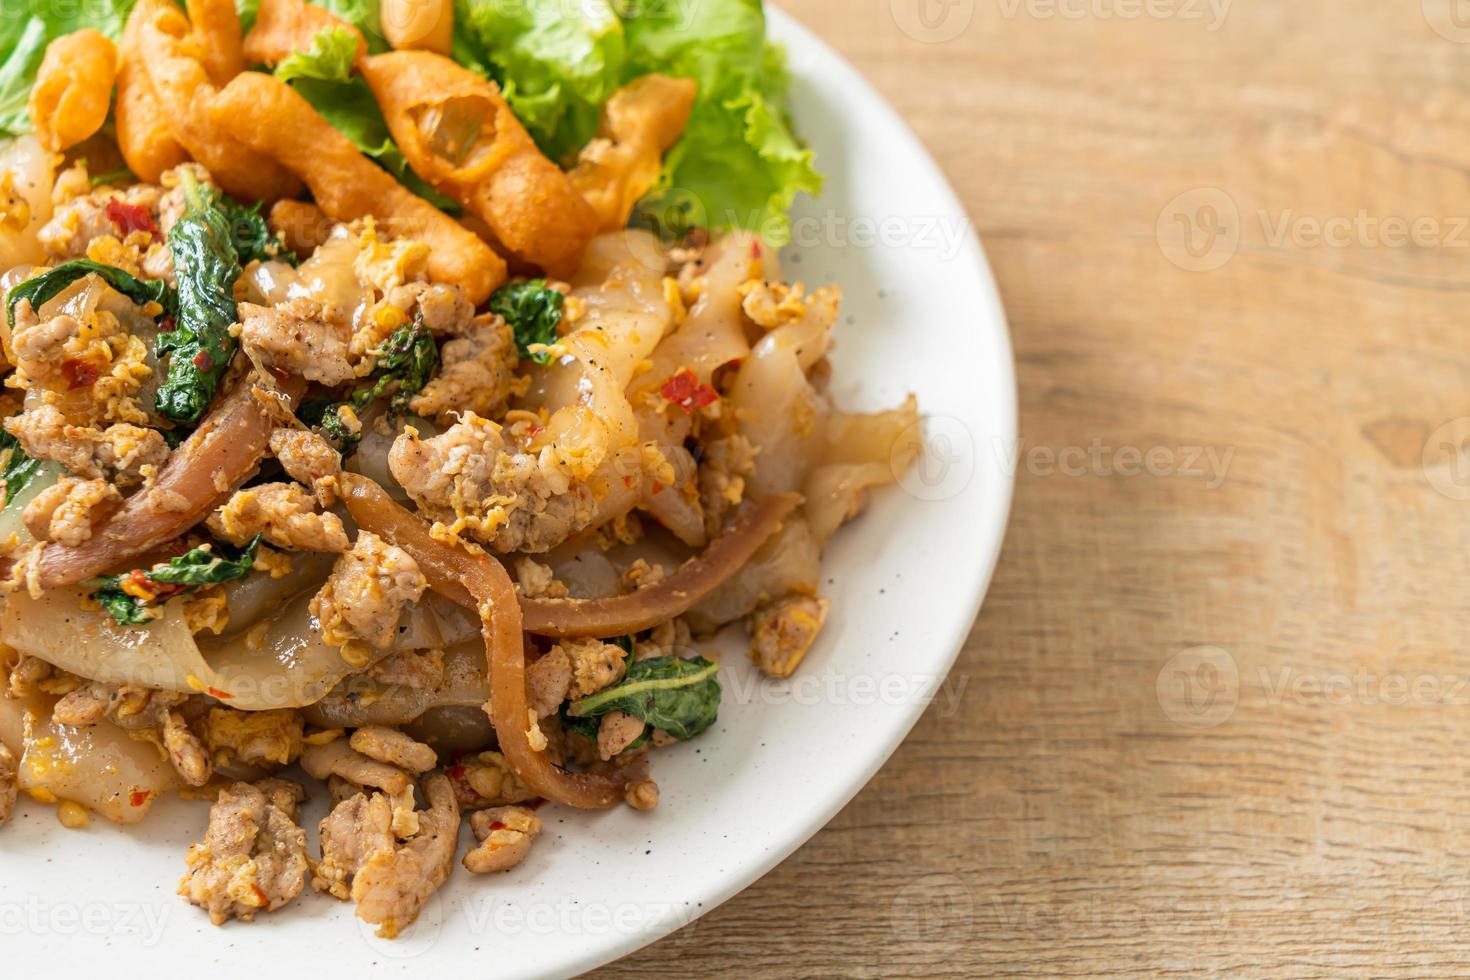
pixel 784 26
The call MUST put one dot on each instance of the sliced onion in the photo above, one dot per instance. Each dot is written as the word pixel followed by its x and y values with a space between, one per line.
pixel 375 511
pixel 211 463
pixel 675 594
pixel 478 579
pixel 283 664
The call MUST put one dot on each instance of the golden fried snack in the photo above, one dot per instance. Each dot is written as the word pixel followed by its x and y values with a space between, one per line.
pixel 184 94
pixel 639 123
pixel 418 25
pixel 284 26
pixel 273 119
pixel 216 26
pixel 457 133
pixel 143 133
pixel 73 88
pixel 302 225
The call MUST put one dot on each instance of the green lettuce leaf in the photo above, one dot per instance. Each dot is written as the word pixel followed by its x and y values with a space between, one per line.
pixel 739 163
pixel 24 35
pixel 329 58
pixel 557 62
pixel 362 14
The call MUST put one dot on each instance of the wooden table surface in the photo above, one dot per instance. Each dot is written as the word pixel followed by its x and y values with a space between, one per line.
pixel 1216 709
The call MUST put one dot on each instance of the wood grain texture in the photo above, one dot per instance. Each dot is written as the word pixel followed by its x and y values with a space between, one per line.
pixel 1210 722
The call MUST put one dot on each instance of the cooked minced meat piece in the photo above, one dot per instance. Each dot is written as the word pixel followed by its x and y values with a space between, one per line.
pixel 486 779
pixel 66 511
pixel 389 879
pixel 616 732
pixel 252 858
pixel 393 747
pixel 308 459
pixel 368 588
pixel 357 828
pixel 285 513
pixel 118 452
pixel 512 501
pixel 338 758
pixel 505 834
pixel 301 338
pixel 476 374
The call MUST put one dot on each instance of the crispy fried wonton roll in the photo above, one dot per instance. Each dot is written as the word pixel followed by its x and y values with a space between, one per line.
pixel 457 133
pixel 216 26
pixel 273 119
pixel 641 121
pixel 284 26
pixel 184 94
pixel 143 132
pixel 73 88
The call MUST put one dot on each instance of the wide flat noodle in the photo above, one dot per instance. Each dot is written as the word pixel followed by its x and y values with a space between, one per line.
pixel 286 666
pixel 100 766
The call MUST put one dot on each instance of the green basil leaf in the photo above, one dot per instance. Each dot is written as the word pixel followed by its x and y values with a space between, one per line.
pixel 533 311
pixel 40 288
pixel 199 347
pixel 677 696
pixel 194 568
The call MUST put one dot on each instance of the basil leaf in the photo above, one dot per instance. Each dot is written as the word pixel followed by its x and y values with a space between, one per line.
pixel 206 266
pixel 202 566
pixel 123 608
pixel 406 361
pixel 38 289
pixel 251 235
pixel 677 696
pixel 184 573
pixel 533 311
pixel 17 470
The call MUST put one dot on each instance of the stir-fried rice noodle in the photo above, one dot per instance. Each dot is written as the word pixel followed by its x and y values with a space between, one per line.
pixel 353 508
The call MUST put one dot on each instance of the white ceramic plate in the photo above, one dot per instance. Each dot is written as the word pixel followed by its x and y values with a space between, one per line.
pixel 921 314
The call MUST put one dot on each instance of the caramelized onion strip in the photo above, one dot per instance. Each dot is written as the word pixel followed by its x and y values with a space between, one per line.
pixel 217 458
pixel 676 593
pixel 614 615
pixel 481 582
